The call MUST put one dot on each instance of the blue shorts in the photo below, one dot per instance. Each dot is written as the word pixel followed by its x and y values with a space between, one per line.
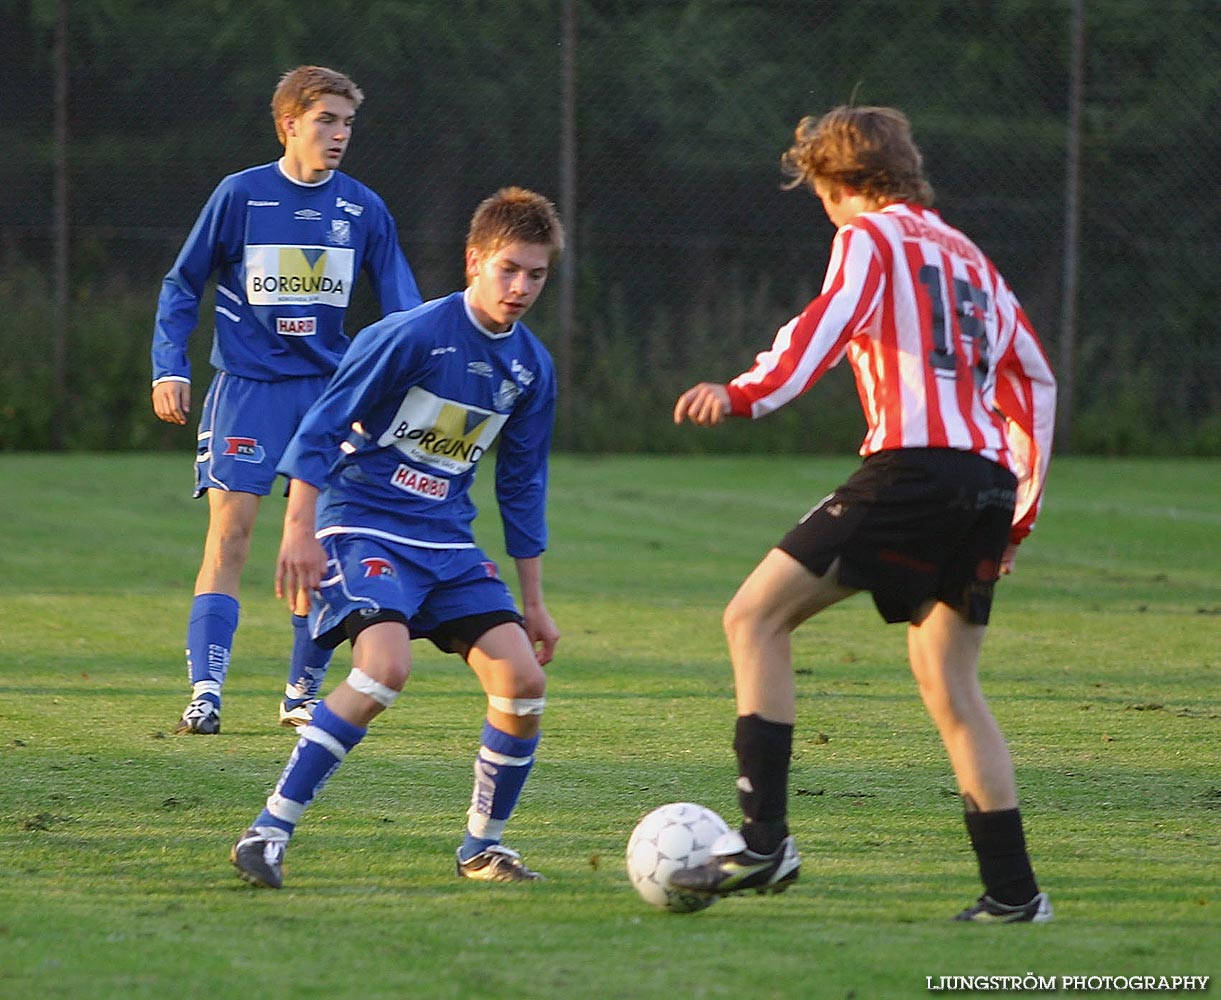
pixel 244 427
pixel 431 588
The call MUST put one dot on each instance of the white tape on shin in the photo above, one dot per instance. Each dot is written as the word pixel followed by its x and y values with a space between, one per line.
pixel 517 706
pixel 358 680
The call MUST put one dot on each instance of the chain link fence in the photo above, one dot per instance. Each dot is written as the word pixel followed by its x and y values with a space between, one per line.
pixel 657 126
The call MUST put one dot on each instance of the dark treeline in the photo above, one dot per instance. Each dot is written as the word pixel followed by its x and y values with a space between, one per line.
pixel 688 254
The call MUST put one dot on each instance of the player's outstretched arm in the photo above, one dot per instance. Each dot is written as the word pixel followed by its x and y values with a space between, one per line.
pixel 172 401
pixel 302 560
pixel 705 405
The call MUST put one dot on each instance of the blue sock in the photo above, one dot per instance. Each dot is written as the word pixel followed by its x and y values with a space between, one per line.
pixel 320 750
pixel 210 632
pixel 501 769
pixel 307 668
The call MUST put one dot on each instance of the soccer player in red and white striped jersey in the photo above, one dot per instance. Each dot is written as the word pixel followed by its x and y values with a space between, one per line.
pixel 960 401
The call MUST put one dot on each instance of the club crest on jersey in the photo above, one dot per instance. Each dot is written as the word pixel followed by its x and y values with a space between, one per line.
pixel 341 232
pixel 376 566
pixel 245 449
pixel 421 484
pixel 506 396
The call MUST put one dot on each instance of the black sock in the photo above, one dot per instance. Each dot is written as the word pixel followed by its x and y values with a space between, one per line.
pixel 1000 847
pixel 764 751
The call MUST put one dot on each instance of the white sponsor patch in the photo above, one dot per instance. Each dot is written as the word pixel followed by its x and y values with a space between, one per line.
pixel 296 326
pixel 442 433
pixel 299 274
pixel 411 480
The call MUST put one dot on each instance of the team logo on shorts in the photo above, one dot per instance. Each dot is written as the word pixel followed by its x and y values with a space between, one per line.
pixel 491 570
pixel 244 449
pixel 375 566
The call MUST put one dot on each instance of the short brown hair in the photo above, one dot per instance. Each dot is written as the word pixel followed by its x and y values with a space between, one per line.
pixel 868 149
pixel 515 215
pixel 301 87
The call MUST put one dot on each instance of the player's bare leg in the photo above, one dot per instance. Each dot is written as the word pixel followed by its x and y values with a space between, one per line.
pixel 759 621
pixel 944 650
pixel 231 517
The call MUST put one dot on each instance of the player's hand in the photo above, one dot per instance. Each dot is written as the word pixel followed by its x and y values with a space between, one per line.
pixel 542 632
pixel 1007 559
pixel 705 405
pixel 172 401
pixel 299 568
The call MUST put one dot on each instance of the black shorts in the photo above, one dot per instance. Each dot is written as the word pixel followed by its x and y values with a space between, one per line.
pixel 458 635
pixel 912 525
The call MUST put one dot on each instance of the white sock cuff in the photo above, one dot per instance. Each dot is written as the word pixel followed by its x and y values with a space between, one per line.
pixel 285 809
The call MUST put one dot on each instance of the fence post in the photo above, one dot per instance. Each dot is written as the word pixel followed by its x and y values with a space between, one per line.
pixel 1072 229
pixel 568 211
pixel 59 335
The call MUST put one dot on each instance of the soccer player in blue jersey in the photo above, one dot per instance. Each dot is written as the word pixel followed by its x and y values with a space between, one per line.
pixel 378 528
pixel 286 241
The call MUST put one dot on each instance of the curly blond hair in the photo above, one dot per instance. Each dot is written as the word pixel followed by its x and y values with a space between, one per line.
pixel 869 149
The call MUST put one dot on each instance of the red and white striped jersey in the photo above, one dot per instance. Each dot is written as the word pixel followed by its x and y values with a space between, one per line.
pixel 943 354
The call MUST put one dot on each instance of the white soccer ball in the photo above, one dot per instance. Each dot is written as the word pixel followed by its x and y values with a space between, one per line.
pixel 672 837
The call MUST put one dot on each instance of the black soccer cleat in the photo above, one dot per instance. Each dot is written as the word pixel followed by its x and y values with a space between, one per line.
pixel 735 868
pixel 258 856
pixel 497 863
pixel 987 910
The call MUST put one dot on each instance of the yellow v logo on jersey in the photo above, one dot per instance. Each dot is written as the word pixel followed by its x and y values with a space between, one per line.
pixel 299 275
pixel 444 433
pixel 458 428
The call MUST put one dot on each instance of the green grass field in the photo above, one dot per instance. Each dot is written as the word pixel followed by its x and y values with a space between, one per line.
pixel 1102 666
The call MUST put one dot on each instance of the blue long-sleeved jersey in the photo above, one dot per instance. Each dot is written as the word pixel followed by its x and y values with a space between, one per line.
pixel 286 255
pixel 394 441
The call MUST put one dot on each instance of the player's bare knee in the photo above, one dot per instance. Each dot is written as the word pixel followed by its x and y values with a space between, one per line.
pixel 521 692
pixel 736 620
pixel 529 681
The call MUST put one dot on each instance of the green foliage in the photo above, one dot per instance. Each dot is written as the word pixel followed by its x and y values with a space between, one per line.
pixel 27 393
pixel 107 389
pixel 682 109
pixel 1100 665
